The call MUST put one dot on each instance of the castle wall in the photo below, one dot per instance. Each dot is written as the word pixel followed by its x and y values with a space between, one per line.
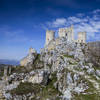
pixel 50 35
pixel 66 32
pixel 81 37
pixel 70 32
pixel 62 32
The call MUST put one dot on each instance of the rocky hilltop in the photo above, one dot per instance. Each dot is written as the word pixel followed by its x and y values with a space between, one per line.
pixel 63 70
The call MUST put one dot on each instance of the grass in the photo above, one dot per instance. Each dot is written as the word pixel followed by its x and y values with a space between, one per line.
pixel 49 91
pixel 36 62
pixel 44 92
pixel 91 93
pixel 73 63
pixel 19 69
pixel 1 75
pixel 25 88
pixel 69 56
pixel 22 69
pixel 87 97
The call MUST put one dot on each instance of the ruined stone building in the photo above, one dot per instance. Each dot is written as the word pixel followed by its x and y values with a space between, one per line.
pixel 50 35
pixel 27 59
pixel 67 33
pixel 51 42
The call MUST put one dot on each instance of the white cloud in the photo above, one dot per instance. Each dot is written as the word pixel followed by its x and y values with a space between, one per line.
pixel 57 23
pixel 81 22
pixel 96 11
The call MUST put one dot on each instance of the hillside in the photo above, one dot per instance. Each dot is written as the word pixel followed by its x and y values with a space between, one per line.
pixel 62 71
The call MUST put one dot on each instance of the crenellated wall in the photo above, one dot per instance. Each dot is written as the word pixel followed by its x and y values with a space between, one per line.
pixel 67 33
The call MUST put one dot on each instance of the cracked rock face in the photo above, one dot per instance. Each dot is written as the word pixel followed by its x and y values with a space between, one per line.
pixel 39 77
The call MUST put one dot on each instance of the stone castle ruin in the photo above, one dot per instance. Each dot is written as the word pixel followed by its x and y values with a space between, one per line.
pixel 50 35
pixel 52 42
pixel 67 33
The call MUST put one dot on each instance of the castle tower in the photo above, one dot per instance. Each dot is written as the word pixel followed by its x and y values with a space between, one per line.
pixel 70 33
pixel 50 35
pixel 62 32
pixel 81 37
pixel 67 32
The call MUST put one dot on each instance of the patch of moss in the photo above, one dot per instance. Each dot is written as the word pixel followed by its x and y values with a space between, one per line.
pixel 19 69
pixel 1 75
pixel 90 93
pixel 73 63
pixel 87 97
pixel 69 56
pixel 49 91
pixel 25 88
pixel 36 62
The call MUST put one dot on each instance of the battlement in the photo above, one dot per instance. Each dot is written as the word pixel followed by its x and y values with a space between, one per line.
pixel 62 32
pixel 67 33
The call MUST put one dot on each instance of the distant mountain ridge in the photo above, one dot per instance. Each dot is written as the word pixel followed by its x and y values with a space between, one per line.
pixel 9 62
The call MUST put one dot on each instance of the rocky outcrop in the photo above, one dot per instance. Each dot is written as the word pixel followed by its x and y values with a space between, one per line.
pixel 29 59
pixel 62 71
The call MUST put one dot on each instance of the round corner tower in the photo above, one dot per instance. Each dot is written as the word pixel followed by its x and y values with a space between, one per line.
pixel 50 35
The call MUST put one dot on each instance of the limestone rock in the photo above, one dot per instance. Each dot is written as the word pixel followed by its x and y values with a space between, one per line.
pixel 39 77
pixel 29 59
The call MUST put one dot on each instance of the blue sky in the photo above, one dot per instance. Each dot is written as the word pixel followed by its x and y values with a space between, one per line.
pixel 23 22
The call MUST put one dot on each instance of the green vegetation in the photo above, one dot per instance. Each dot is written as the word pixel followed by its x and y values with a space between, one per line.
pixel 73 63
pixel 87 97
pixel 44 92
pixel 37 59
pixel 1 75
pixel 69 56
pixel 22 69
pixel 50 91
pixel 36 62
pixel 96 67
pixel 91 93
pixel 19 69
pixel 25 88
